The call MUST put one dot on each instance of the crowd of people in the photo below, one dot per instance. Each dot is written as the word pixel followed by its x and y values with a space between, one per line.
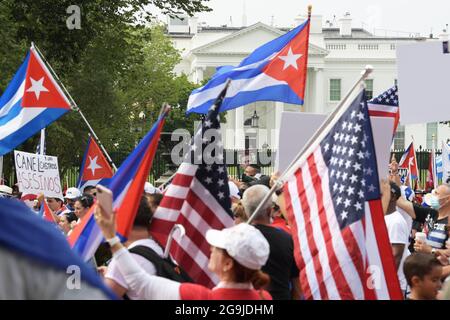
pixel 256 260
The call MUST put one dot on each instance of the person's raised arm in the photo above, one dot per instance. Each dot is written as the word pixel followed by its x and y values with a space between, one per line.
pixel 147 286
pixel 406 206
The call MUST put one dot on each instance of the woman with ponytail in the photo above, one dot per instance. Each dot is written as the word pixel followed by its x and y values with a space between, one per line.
pixel 237 256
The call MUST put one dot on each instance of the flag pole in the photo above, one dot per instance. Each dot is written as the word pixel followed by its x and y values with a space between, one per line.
pixel 433 164
pixel 333 117
pixel 417 165
pixel 74 105
pixel 42 143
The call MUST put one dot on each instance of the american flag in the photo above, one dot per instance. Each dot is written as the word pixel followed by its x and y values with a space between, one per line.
pixel 386 105
pixel 334 208
pixel 199 199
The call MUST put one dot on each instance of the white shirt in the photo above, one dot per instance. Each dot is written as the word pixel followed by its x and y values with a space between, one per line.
pixel 398 234
pixel 114 273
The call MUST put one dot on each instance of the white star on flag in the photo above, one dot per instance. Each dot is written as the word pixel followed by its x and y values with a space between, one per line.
pixel 290 59
pixel 37 87
pixel 93 165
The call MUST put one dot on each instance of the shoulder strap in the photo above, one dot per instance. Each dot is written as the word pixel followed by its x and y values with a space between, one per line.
pixel 146 252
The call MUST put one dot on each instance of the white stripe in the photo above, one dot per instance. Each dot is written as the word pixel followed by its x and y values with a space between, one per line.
pixel 236 86
pixel 374 260
pixel 25 116
pixel 163 213
pixel 317 234
pixel 340 249
pixel 118 202
pixel 378 107
pixel 303 242
pixel 89 183
pixel 196 254
pixel 17 96
pixel 177 192
pixel 211 202
pixel 195 219
pixel 187 169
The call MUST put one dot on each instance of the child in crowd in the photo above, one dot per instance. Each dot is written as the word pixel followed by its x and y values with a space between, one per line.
pixel 423 273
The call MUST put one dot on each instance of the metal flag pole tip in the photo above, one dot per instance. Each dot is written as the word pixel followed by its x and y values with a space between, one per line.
pixel 309 10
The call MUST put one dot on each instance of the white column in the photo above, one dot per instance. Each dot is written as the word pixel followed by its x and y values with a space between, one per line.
pixel 239 141
pixel 279 108
pixel 199 72
pixel 319 101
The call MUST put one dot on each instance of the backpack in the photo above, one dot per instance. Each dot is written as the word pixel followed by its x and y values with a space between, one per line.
pixel 165 267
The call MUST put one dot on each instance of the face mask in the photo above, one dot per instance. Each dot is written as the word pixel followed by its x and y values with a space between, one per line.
pixel 434 203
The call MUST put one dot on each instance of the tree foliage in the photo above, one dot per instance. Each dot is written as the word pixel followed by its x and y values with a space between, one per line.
pixel 116 67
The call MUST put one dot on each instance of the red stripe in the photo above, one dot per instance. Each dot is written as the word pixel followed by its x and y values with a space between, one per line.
pixel 194 234
pixel 169 202
pixel 385 250
pixel 377 113
pixel 297 253
pixel 369 293
pixel 341 282
pixel 355 253
pixel 182 180
pixel 310 236
pixel 195 271
pixel 204 211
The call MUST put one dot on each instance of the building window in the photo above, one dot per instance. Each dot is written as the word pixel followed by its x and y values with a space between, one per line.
pixel 432 129
pixel 335 89
pixel 393 46
pixel 369 89
pixel 399 138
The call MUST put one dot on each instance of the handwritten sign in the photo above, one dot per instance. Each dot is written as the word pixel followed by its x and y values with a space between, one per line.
pixel 38 174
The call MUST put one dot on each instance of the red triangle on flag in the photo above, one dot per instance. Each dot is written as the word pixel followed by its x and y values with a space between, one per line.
pixel 96 166
pixel 41 90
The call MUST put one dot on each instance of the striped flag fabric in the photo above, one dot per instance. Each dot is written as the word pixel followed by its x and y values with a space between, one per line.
pixel 199 199
pixel 127 186
pixel 45 212
pixel 386 105
pixel 333 202
pixel 31 102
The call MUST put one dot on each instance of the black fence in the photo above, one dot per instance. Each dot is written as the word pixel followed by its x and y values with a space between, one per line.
pixel 235 160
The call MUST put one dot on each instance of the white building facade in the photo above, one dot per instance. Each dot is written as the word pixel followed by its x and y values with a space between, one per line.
pixel 336 58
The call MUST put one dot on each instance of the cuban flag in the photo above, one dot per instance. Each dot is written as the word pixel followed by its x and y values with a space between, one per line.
pixel 127 186
pixel 95 169
pixel 408 161
pixel 31 102
pixel 276 71
pixel 46 213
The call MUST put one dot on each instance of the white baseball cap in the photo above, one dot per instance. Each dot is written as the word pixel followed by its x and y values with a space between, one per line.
pixel 72 193
pixel 5 190
pixel 234 191
pixel 149 188
pixel 243 242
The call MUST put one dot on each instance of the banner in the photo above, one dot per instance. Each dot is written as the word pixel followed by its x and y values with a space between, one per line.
pixel 37 174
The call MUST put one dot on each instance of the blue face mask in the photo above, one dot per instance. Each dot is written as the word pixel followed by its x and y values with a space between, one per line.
pixel 434 203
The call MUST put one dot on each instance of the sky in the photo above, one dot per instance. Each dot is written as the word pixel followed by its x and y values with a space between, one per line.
pixel 408 16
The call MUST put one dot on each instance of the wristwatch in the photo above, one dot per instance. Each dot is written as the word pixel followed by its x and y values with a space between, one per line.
pixel 113 241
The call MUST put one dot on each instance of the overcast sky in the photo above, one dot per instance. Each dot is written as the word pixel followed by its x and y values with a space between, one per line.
pixel 397 15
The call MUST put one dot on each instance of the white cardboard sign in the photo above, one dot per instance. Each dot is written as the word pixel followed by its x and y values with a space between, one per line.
pixel 297 128
pixel 38 174
pixel 423 82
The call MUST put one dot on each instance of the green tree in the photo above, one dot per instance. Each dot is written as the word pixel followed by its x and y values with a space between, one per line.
pixel 115 66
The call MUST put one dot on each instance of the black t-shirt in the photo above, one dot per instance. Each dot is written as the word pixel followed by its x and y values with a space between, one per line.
pixel 435 229
pixel 281 265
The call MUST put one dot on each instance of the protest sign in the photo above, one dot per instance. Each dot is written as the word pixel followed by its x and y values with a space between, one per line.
pixel 37 174
pixel 295 130
pixel 423 68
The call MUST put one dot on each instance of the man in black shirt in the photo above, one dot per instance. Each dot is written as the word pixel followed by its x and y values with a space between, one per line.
pixel 281 267
pixel 435 220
